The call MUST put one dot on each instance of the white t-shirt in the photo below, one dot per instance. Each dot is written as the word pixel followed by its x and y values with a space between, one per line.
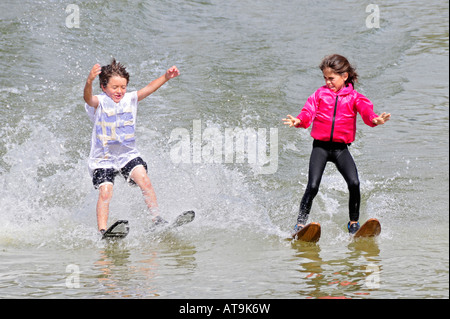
pixel 113 142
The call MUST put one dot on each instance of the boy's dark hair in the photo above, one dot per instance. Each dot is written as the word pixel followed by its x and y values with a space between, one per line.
pixel 110 70
pixel 340 65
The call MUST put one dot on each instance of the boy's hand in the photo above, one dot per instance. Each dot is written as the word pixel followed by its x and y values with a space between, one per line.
pixel 172 73
pixel 90 99
pixel 96 70
pixel 156 84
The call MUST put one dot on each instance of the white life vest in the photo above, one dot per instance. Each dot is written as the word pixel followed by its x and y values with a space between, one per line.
pixel 113 142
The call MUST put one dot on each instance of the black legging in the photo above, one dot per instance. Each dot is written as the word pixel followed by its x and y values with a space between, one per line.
pixel 339 154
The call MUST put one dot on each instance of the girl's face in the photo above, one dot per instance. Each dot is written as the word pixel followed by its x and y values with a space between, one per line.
pixel 116 88
pixel 334 81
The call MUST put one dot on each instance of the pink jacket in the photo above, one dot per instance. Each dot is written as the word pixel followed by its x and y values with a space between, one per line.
pixel 334 114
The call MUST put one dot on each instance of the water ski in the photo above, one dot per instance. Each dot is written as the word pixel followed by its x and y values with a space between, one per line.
pixel 120 228
pixel 370 228
pixel 183 218
pixel 309 233
pixel 117 230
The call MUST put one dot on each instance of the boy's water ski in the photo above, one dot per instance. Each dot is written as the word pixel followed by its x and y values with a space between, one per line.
pixel 183 218
pixel 120 228
pixel 309 233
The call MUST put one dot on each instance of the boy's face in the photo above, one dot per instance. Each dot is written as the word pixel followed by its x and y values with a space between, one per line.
pixel 116 88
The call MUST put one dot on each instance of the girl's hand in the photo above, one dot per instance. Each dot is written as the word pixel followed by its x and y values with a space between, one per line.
pixel 172 73
pixel 96 70
pixel 383 118
pixel 291 121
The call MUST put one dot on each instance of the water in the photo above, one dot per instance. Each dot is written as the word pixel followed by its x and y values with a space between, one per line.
pixel 244 65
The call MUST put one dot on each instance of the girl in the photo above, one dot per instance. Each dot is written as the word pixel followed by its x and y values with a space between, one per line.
pixel 332 111
pixel 113 148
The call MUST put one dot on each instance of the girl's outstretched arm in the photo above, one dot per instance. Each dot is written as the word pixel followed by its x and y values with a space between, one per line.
pixel 156 84
pixel 291 121
pixel 383 118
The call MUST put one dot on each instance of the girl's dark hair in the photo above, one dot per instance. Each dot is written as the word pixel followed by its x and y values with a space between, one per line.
pixel 110 70
pixel 340 65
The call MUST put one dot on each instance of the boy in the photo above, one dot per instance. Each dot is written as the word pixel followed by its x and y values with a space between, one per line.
pixel 113 148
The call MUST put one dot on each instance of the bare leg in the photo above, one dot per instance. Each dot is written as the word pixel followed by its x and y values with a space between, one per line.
pixel 140 177
pixel 104 198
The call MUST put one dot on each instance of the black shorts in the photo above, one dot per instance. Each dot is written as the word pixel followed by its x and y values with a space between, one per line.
pixel 107 175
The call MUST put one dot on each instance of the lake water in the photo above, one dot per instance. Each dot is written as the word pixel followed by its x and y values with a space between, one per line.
pixel 244 66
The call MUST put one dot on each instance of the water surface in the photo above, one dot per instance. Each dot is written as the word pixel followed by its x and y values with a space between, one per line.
pixel 244 65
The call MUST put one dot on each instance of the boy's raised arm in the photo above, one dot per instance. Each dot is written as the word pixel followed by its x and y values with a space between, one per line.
pixel 156 84
pixel 90 99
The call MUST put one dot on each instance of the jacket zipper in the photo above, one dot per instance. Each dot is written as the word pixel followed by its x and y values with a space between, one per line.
pixel 334 118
